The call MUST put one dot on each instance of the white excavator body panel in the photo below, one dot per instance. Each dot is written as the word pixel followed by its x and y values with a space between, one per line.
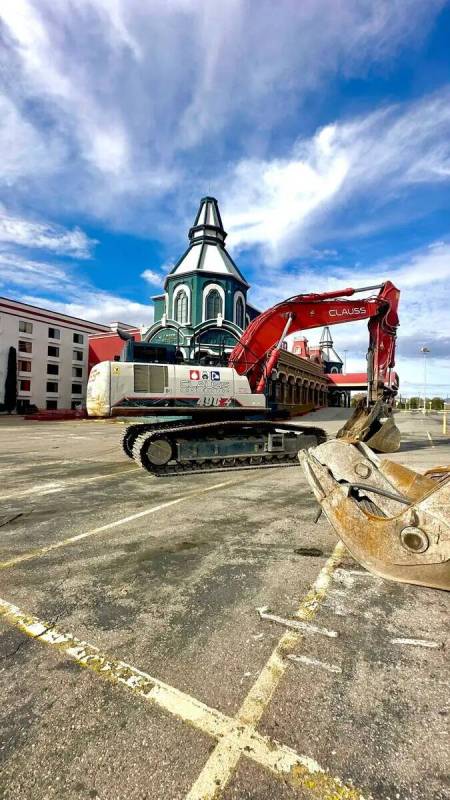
pixel 117 388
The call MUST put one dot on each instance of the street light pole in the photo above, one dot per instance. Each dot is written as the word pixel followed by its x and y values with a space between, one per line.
pixel 424 350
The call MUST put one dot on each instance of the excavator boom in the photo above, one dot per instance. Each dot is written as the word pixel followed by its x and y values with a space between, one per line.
pixel 257 353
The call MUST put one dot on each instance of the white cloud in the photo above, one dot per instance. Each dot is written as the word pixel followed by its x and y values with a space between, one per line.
pixel 98 306
pixel 54 238
pixel 281 204
pixel 152 277
pixel 114 116
pixel 423 278
pixel 60 288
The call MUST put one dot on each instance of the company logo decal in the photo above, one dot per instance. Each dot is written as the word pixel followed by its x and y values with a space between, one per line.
pixel 215 376
pixel 346 312
pixel 194 375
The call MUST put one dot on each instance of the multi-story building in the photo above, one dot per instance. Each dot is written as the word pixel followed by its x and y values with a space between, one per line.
pixel 52 355
pixel 204 308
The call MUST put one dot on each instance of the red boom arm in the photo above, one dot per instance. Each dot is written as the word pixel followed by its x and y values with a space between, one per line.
pixel 265 334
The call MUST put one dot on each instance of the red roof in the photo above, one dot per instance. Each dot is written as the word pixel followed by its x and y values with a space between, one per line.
pixel 348 377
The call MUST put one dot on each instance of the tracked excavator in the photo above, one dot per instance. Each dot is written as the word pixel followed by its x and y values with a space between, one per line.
pixel 220 417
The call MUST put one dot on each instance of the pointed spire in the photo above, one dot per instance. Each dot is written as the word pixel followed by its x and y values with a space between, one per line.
pixel 208 223
pixel 326 346
pixel 206 251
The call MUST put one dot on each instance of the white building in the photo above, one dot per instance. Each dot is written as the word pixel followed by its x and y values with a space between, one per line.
pixel 52 355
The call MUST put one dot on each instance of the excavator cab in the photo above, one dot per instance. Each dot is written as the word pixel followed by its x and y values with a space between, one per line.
pixel 393 520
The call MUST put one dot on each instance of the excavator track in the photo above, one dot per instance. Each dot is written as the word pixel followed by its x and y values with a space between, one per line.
pixel 132 432
pixel 158 450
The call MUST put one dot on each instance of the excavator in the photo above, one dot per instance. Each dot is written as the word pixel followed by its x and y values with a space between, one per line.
pixel 394 521
pixel 220 418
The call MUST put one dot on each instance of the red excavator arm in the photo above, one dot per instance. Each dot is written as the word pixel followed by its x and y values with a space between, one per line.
pixel 258 350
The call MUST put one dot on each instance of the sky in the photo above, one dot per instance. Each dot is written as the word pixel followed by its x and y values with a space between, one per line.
pixel 321 126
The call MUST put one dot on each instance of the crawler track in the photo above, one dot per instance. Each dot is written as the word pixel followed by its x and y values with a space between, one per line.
pixel 170 434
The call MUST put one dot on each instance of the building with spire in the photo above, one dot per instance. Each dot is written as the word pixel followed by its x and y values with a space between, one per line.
pixel 204 307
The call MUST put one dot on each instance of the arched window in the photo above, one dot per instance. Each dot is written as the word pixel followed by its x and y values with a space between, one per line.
pixel 181 307
pixel 239 316
pixel 213 304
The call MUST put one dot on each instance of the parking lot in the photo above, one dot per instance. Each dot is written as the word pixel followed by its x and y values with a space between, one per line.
pixel 134 662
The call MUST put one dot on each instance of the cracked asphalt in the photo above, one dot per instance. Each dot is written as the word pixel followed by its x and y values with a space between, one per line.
pixel 170 585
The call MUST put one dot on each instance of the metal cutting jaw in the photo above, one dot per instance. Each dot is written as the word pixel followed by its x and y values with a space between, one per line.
pixel 394 521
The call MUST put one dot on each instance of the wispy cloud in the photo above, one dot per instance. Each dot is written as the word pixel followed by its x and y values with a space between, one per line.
pixel 152 277
pixel 59 287
pixel 42 235
pixel 119 117
pixel 281 205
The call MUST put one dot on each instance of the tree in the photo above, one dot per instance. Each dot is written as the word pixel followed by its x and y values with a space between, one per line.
pixel 437 404
pixel 11 381
pixel 414 402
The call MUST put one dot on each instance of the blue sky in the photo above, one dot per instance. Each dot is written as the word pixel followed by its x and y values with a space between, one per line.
pixel 322 127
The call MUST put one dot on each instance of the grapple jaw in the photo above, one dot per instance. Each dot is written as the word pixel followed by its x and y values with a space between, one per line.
pixel 394 521
pixel 373 425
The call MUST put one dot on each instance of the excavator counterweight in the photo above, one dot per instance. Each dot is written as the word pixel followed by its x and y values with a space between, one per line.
pixel 393 520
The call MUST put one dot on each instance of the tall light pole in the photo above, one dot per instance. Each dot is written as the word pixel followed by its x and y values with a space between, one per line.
pixel 424 350
pixel 345 361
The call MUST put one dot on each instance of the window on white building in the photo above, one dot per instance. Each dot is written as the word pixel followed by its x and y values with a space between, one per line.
pixel 181 307
pixel 53 351
pixel 52 386
pixel 77 355
pixel 25 347
pixel 52 369
pixel 25 386
pixel 213 304
pixel 77 372
pixel 25 327
pixel 51 404
pixel 77 388
pixel 54 333
pixel 78 338
pixel 24 366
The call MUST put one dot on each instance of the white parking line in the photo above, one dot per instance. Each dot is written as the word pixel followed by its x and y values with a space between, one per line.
pixel 109 526
pixel 224 758
pixel 236 737
pixel 431 440
pixel 416 642
pixel 314 662
pixel 60 486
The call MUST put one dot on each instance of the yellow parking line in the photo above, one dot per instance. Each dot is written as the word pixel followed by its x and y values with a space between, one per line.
pixel 109 526
pixel 223 760
pixel 301 771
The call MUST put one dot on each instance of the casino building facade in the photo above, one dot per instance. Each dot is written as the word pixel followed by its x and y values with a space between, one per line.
pixel 204 307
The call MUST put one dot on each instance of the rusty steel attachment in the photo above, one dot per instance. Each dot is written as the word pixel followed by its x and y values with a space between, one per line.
pixel 373 425
pixel 394 521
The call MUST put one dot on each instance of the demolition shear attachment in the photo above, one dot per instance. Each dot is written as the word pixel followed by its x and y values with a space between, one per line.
pixel 394 521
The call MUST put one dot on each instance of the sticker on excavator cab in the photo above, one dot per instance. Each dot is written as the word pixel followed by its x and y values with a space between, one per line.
pixel 215 376
pixel 194 375
pixel 116 370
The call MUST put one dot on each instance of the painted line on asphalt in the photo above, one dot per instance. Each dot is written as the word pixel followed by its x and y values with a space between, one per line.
pixel 314 662
pixel 301 771
pixel 431 440
pixel 60 486
pixel 225 757
pixel 41 551
pixel 417 642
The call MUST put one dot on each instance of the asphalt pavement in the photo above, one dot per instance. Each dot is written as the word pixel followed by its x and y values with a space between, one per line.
pixel 134 662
